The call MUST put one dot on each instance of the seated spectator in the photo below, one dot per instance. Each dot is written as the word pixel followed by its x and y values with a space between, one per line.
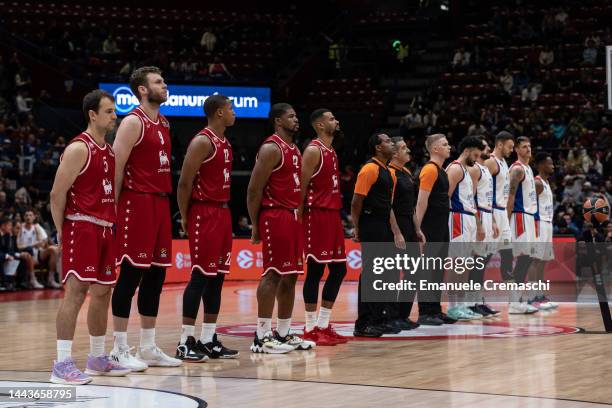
pixel 244 228
pixel 33 239
pixel 461 59
pixel 477 129
pixel 595 38
pixel 558 128
pixel 23 102
pixel 589 55
pixel 109 46
pixel 11 258
pixel 218 70
pixel 507 81
pixel 530 93
pixel 547 57
pixel 208 41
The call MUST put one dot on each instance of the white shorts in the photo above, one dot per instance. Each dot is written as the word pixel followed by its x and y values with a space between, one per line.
pixel 523 234
pixel 544 249
pixel 505 235
pixel 487 246
pixel 462 230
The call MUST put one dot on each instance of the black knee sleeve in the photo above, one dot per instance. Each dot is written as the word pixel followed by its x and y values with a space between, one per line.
pixel 128 281
pixel 193 293
pixel 521 268
pixel 150 290
pixel 314 273
pixel 505 267
pixel 337 272
pixel 211 298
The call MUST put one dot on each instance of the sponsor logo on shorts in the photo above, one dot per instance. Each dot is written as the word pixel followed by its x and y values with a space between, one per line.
pixel 324 253
pixel 90 269
pixel 142 255
pixel 285 264
pixel 163 252
pixel 108 270
pixel 212 265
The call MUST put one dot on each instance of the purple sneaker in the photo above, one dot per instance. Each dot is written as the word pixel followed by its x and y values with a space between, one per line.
pixel 66 372
pixel 104 365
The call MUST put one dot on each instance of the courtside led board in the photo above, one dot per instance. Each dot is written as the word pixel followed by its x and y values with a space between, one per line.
pixel 188 100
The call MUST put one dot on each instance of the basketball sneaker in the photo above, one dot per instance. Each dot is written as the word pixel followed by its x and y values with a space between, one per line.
pixel 123 356
pixel 66 372
pixel 295 341
pixel 481 310
pixel 487 309
pixel 104 365
pixel 473 315
pixel 521 308
pixel 155 357
pixel 458 313
pixel 542 303
pixel 317 336
pixel 552 304
pixel 190 351
pixel 446 319
pixel 215 349
pixel 332 334
pixel 270 345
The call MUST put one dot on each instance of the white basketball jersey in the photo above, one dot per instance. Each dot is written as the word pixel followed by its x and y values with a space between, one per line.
pixel 501 184
pixel 462 200
pixel 484 188
pixel 545 202
pixel 526 200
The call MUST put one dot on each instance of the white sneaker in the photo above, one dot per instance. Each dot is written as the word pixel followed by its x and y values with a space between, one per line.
pixel 123 356
pixel 270 345
pixel 53 284
pixel 155 357
pixel 34 284
pixel 296 342
pixel 521 308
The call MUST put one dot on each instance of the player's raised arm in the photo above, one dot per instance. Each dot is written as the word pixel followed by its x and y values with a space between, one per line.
pixel 128 134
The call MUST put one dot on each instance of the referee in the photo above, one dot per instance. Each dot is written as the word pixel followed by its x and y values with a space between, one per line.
pixel 432 212
pixel 372 217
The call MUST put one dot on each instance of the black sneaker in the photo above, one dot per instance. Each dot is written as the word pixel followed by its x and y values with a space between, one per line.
pixel 446 318
pixel 430 320
pixel 404 324
pixel 387 328
pixel 190 351
pixel 491 311
pixel 367 331
pixel 215 349
pixel 480 310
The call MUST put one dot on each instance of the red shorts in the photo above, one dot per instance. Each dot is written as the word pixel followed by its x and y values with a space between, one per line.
pixel 324 235
pixel 210 238
pixel 281 236
pixel 88 252
pixel 144 230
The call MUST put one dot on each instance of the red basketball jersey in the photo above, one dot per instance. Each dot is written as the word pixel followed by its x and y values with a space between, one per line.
pixel 92 193
pixel 148 167
pixel 323 190
pixel 283 186
pixel 212 182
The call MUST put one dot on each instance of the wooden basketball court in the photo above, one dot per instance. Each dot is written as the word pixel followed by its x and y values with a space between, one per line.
pixel 541 360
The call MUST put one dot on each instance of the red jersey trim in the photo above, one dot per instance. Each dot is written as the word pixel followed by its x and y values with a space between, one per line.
pixel 147 116
pixel 320 160
pixel 281 152
pixel 142 129
pixel 213 146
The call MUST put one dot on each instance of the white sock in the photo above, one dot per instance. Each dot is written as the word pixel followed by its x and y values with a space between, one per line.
pixel 283 326
pixel 208 331
pixel 186 331
pixel 96 345
pixel 120 340
pixel 311 320
pixel 147 337
pixel 64 350
pixel 324 315
pixel 264 325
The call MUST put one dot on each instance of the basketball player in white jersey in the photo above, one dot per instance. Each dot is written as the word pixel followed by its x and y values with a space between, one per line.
pixel 544 248
pixel 496 163
pixel 484 205
pixel 464 224
pixel 522 206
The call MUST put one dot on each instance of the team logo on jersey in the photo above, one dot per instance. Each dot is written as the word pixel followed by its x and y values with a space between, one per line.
pixel 163 252
pixel 226 175
pixel 163 159
pixel 108 186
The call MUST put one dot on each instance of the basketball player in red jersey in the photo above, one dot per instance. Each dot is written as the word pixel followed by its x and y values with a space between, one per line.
pixel 273 198
pixel 144 233
pixel 203 193
pixel 83 210
pixel 323 231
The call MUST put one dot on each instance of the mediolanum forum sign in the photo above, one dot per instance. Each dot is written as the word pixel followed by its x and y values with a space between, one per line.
pixel 188 100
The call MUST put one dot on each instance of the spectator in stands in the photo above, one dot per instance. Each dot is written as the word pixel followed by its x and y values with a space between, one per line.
pixel 477 129
pixel 218 70
pixel 507 81
pixel 109 46
pixel 531 93
pixel 430 121
pixel 547 57
pixel 34 240
pixel 244 228
pixel 13 258
pixel 558 128
pixel 589 55
pixel 22 79
pixel 561 17
pixel 208 41
pixel 23 102
pixel 411 123
pixel 461 59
